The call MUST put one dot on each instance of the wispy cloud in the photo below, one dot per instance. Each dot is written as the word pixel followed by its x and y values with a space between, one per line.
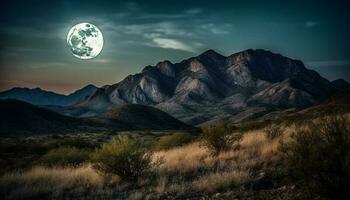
pixel 217 29
pixel 311 24
pixel 100 60
pixel 161 28
pixel 164 34
pixel 165 16
pixel 168 43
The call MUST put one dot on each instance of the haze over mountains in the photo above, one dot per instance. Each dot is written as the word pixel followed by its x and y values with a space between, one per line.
pixel 202 89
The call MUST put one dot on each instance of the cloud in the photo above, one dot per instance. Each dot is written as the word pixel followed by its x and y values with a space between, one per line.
pixel 165 16
pixel 164 34
pixel 311 24
pixel 194 11
pixel 167 43
pixel 161 28
pixel 219 29
pixel 100 60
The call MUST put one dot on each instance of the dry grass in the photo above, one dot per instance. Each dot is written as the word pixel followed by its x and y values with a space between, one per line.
pixel 256 144
pixel 42 181
pixel 183 169
pixel 183 160
pixel 253 147
pixel 209 173
pixel 220 181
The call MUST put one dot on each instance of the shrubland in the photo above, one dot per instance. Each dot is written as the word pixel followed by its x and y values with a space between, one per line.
pixel 308 161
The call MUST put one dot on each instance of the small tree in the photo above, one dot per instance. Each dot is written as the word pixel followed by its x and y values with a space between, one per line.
pixel 215 138
pixel 320 155
pixel 123 156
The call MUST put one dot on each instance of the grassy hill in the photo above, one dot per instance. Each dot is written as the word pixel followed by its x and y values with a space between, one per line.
pixel 21 118
pixel 18 117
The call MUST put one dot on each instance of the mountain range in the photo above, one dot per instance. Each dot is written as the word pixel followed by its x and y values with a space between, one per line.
pixel 203 89
pixel 211 87
pixel 37 96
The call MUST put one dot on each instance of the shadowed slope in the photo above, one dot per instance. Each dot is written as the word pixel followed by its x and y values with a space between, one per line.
pixel 21 118
pixel 138 117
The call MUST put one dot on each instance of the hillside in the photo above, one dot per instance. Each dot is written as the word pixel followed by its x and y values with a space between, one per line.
pixel 337 104
pixel 21 118
pixel 17 117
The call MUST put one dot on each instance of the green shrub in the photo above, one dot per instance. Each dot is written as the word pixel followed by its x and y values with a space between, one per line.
pixel 215 138
pixel 273 131
pixel 320 156
pixel 123 156
pixel 64 156
pixel 171 141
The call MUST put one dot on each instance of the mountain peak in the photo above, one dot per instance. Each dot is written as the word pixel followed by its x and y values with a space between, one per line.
pixel 210 53
pixel 165 63
pixel 340 84
pixel 89 86
pixel 252 52
pixel 37 89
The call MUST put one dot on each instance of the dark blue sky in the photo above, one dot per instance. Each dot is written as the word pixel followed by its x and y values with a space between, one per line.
pixel 34 53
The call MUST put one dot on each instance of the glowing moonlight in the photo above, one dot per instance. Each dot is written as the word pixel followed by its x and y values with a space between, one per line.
pixel 85 40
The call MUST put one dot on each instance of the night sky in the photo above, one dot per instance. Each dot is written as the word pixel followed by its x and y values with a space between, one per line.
pixel 34 53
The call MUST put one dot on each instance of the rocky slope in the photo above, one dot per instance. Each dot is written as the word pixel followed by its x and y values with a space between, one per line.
pixel 211 87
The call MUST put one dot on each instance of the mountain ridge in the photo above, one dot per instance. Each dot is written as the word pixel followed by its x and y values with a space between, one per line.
pixel 211 86
pixel 38 96
pixel 203 87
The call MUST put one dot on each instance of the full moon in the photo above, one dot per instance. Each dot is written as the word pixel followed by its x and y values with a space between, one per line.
pixel 85 41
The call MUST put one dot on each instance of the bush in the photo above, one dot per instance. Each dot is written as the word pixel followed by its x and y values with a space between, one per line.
pixel 171 141
pixel 65 156
pixel 320 156
pixel 273 131
pixel 216 139
pixel 123 156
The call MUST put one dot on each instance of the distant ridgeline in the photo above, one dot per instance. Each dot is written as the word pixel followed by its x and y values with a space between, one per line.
pixel 38 96
pixel 201 90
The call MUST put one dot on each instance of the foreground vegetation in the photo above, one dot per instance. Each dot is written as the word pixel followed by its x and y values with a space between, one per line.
pixel 291 161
